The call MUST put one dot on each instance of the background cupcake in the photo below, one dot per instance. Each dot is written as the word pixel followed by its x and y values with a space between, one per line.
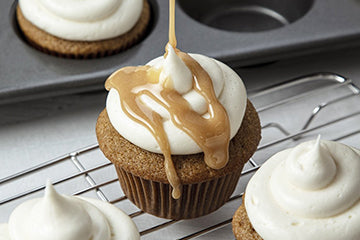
pixel 307 192
pixel 83 29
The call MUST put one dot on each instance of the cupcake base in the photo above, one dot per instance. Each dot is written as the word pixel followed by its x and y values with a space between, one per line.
pixel 241 225
pixel 143 179
pixel 55 46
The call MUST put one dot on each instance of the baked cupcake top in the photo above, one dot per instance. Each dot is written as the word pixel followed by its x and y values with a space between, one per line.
pixel 63 217
pixel 307 192
pixel 80 20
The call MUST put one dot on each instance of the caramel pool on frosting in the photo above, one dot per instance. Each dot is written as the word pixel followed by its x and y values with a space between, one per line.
pixel 212 134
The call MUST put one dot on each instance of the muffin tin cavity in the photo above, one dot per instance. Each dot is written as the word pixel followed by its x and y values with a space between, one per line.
pixel 246 15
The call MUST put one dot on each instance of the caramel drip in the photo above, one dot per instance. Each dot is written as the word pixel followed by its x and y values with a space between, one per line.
pixel 144 80
pixel 212 134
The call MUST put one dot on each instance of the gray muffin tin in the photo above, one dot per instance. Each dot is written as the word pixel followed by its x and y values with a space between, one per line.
pixel 238 32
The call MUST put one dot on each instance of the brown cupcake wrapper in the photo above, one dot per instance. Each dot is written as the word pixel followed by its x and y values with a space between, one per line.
pixel 196 199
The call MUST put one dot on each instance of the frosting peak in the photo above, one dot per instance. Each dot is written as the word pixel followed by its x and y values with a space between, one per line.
pixel 175 74
pixel 307 192
pixel 60 217
pixel 310 166
pixel 53 204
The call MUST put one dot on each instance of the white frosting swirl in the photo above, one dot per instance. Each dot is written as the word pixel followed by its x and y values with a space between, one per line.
pixel 4 232
pixel 228 87
pixel 307 192
pixel 83 20
pixel 60 217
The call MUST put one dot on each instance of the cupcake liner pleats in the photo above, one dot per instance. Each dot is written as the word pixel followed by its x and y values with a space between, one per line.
pixel 196 199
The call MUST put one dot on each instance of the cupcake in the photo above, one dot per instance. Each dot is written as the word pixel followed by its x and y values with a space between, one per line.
pixel 63 217
pixel 187 183
pixel 83 29
pixel 310 192
pixel 167 128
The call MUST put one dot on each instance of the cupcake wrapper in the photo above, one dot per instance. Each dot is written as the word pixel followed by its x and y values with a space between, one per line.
pixel 196 200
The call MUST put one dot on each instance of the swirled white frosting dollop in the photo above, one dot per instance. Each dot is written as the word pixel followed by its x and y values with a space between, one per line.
pixel 308 192
pixel 83 20
pixel 60 217
pixel 228 88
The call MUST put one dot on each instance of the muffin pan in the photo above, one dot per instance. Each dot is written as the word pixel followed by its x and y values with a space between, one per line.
pixel 236 32
pixel 291 113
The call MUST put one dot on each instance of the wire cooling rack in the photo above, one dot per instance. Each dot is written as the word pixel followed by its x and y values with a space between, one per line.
pixel 292 112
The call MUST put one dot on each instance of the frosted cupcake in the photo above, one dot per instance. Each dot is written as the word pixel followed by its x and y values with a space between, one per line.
pixel 63 217
pixel 307 192
pixel 167 128
pixel 83 29
pixel 169 136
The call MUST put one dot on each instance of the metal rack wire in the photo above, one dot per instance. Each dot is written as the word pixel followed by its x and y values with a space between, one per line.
pixel 291 112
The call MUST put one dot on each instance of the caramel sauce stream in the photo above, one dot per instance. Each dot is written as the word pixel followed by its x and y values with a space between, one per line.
pixel 172 36
pixel 212 134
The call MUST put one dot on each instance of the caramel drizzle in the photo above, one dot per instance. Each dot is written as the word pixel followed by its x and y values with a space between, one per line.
pixel 212 134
